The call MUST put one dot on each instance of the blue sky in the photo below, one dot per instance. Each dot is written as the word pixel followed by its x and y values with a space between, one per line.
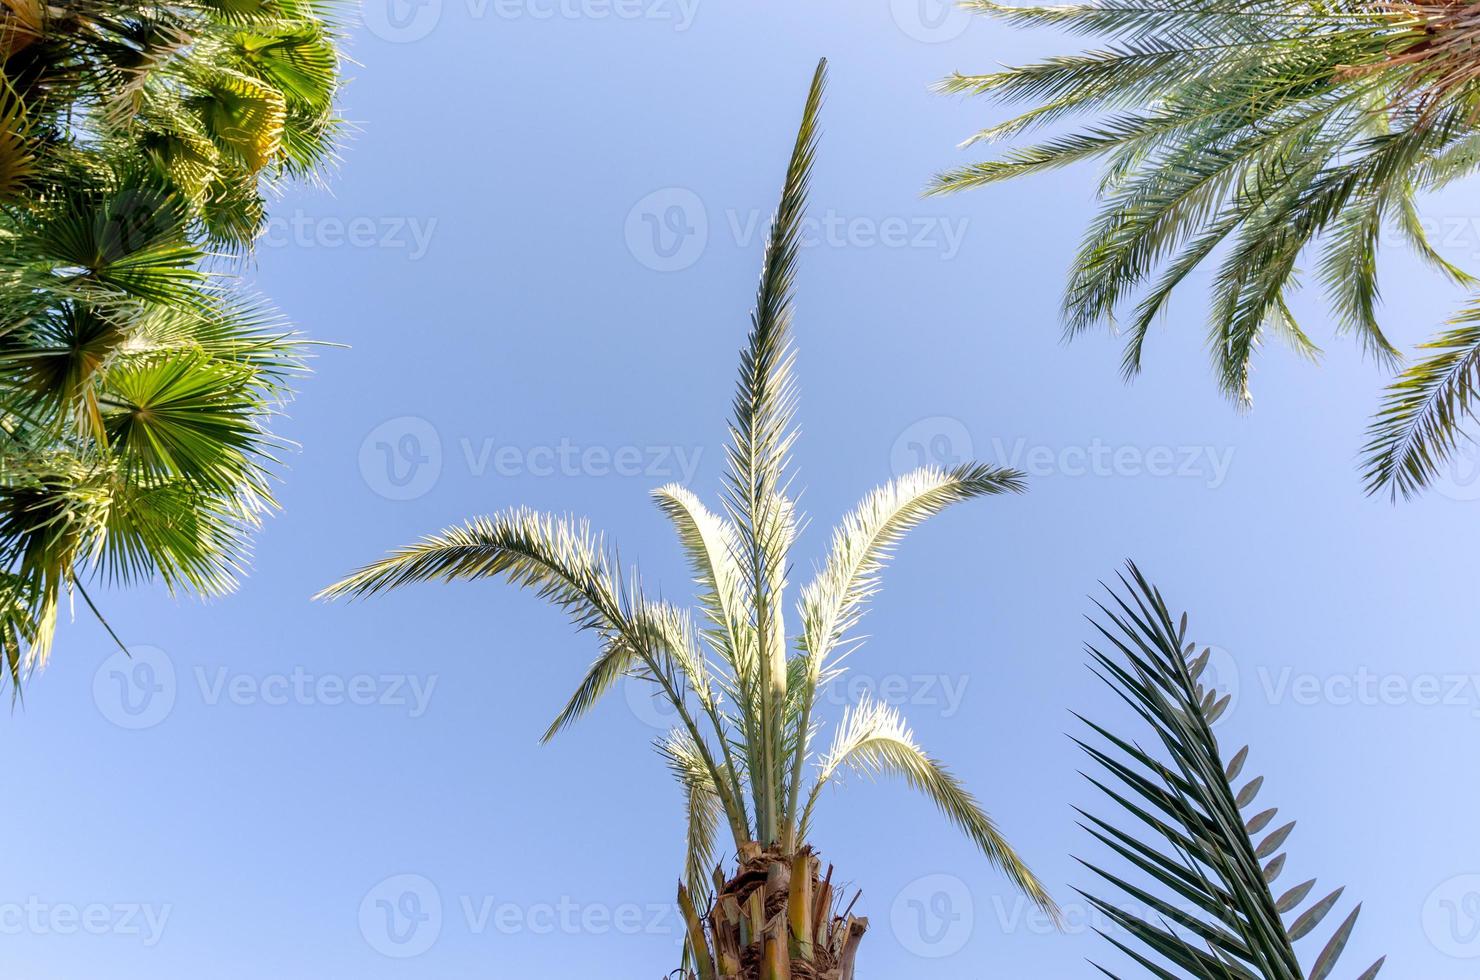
pixel 540 252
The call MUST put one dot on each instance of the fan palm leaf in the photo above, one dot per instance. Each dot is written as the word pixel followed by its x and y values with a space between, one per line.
pixel 136 386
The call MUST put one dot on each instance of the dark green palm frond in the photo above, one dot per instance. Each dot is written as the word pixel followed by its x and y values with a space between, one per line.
pixel 1419 425
pixel 1200 903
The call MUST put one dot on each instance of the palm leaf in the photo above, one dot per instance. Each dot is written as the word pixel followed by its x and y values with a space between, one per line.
pixel 1184 822
pixel 1419 426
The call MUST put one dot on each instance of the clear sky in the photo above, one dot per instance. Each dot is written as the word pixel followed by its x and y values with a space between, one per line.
pixel 540 252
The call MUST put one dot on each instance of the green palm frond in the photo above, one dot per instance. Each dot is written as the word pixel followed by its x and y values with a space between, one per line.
pixel 741 687
pixel 1419 425
pixel 1190 821
pixel 1243 139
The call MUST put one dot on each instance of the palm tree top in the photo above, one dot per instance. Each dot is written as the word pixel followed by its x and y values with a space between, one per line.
pixel 742 687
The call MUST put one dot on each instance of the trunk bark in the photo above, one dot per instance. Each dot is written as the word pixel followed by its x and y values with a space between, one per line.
pixel 776 919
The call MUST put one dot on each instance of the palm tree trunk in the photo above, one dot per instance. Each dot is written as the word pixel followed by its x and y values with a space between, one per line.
pixel 776 919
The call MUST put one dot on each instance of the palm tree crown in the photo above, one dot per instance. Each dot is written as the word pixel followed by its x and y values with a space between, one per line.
pixel 137 143
pixel 1259 131
pixel 743 691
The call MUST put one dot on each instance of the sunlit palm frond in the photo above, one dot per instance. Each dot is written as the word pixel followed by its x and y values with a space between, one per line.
pixel 761 439
pixel 712 547
pixel 834 601
pixel 1189 826
pixel 702 809
pixel 874 740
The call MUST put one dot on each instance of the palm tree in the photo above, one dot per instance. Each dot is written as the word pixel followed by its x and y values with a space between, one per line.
pixel 1263 132
pixel 1206 906
pixel 137 142
pixel 743 692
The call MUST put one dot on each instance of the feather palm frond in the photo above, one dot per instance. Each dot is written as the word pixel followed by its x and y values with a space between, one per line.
pixel 1185 818
pixel 1243 139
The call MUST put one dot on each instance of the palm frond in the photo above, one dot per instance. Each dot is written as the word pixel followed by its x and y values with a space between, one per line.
pixel 834 601
pixel 874 740
pixel 1248 137
pixel 759 455
pixel 702 810
pixel 1189 824
pixel 1420 424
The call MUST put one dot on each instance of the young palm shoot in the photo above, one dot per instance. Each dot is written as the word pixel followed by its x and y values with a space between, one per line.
pixel 743 688
pixel 1200 856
